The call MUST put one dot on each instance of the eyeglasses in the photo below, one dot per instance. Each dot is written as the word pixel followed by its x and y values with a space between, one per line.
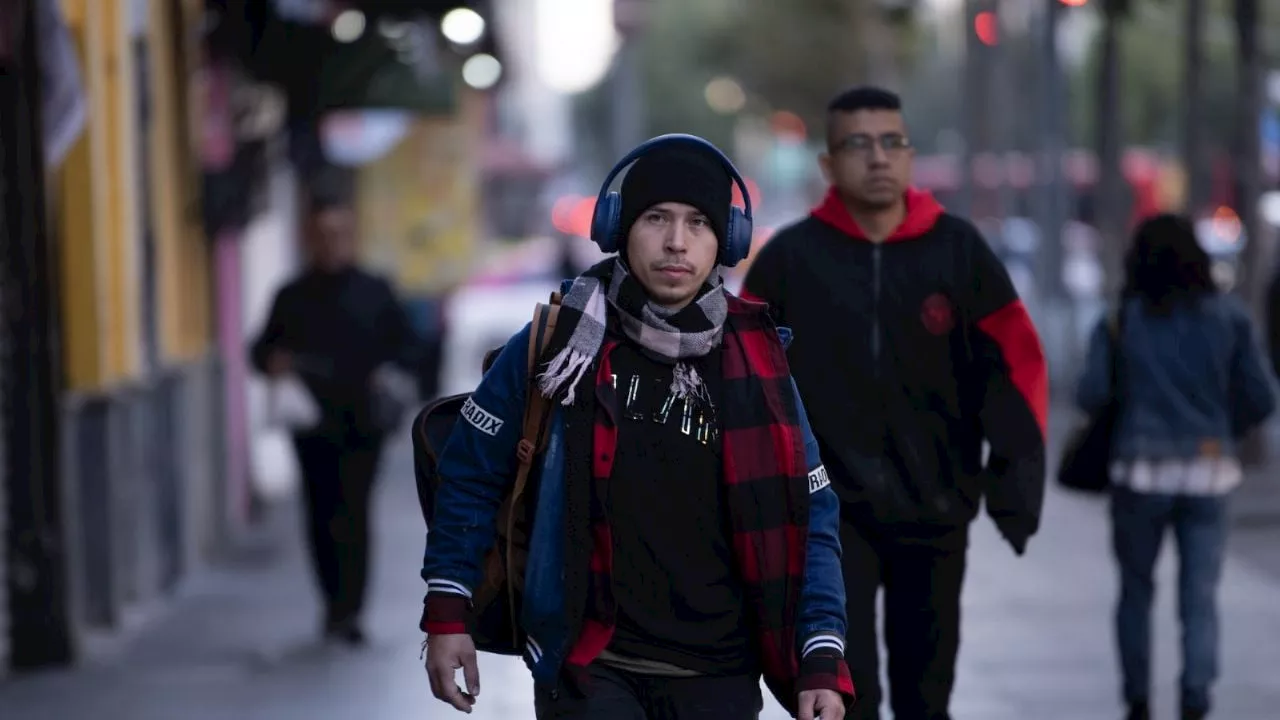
pixel 863 144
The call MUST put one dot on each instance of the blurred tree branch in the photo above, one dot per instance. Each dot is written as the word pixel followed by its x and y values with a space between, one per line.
pixel 1152 81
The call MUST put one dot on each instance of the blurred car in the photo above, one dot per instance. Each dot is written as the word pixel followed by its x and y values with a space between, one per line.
pixel 483 317
pixel 497 301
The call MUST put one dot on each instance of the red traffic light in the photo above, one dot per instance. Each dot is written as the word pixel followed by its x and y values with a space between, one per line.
pixel 1074 3
pixel 987 27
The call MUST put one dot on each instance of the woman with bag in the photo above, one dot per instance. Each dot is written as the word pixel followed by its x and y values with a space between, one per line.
pixel 1180 363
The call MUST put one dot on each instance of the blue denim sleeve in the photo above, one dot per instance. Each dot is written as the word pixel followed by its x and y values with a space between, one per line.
pixel 1093 393
pixel 476 468
pixel 1252 393
pixel 821 623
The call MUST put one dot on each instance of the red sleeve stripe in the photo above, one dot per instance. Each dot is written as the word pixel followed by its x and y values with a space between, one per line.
pixel 1013 332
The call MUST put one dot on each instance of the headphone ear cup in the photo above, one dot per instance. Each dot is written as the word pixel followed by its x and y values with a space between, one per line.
pixel 605 221
pixel 737 238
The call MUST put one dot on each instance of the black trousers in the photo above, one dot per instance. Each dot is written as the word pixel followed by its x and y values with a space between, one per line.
pixel 922 585
pixel 619 695
pixel 337 478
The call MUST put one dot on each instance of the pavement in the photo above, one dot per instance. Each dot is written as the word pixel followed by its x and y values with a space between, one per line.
pixel 238 643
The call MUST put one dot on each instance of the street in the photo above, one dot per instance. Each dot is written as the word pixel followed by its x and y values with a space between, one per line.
pixel 240 641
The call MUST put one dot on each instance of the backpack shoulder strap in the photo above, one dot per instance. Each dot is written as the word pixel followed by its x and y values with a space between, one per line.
pixel 533 435
pixel 535 404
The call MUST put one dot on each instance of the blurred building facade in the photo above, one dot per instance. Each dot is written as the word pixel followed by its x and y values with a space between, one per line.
pixel 153 214
pixel 133 269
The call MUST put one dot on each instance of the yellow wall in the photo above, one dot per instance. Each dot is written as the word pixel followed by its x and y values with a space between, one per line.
pixel 181 251
pixel 98 203
pixel 122 228
pixel 80 209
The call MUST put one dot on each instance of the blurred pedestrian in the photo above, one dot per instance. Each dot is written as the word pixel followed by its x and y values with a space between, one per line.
pixel 1190 383
pixel 684 537
pixel 345 335
pixel 911 350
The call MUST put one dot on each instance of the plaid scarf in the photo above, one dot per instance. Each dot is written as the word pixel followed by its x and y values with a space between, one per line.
pixel 669 336
pixel 768 507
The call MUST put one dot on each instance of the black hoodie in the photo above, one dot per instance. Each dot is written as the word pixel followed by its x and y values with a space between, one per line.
pixel 909 354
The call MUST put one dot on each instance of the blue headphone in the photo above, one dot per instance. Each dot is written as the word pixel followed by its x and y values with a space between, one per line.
pixel 606 221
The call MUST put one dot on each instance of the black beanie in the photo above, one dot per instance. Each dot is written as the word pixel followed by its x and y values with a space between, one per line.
pixel 680 174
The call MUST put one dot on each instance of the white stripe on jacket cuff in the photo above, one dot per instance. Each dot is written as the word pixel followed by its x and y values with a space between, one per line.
pixel 448 587
pixel 823 640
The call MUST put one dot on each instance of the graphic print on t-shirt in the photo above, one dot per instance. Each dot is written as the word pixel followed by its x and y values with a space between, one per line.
pixel 679 599
pixel 696 416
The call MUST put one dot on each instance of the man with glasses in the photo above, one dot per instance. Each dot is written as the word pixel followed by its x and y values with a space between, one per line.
pixel 911 351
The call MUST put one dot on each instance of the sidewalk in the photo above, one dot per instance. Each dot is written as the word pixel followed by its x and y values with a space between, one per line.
pixel 1255 510
pixel 239 645
pixel 241 642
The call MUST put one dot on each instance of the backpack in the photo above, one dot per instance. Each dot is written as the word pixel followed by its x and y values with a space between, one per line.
pixel 495 626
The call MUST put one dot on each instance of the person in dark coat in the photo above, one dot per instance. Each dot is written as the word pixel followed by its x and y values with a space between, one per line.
pixel 337 328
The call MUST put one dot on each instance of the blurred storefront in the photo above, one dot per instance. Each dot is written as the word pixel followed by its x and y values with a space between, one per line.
pixel 141 445
pixel 134 266
pixel 41 112
pixel 132 421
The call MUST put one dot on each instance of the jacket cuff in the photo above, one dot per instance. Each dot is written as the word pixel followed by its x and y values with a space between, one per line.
pixel 822 667
pixel 446 610
pixel 1016 531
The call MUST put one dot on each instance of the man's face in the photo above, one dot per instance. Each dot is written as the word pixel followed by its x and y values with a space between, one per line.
pixel 332 238
pixel 672 250
pixel 868 157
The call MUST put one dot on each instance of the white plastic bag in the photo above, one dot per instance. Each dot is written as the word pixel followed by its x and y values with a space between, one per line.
pixel 274 465
pixel 291 405
pixel 394 392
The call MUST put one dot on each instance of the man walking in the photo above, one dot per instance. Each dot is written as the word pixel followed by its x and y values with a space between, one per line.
pixel 339 329
pixel 911 351
pixel 685 538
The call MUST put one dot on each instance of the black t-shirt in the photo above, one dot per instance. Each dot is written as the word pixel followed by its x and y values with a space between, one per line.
pixel 678 591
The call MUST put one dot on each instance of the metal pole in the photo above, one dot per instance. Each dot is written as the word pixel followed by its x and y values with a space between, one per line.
pixel 974 102
pixel 1053 145
pixel 1199 182
pixel 1004 119
pixel 1058 316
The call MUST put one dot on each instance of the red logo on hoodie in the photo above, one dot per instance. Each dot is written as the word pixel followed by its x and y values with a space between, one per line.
pixel 937 315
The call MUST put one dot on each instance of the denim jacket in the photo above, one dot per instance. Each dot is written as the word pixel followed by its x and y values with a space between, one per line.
pixel 1189 380
pixel 476 468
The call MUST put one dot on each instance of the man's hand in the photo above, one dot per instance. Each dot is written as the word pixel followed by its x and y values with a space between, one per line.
pixel 279 362
pixel 821 705
pixel 447 653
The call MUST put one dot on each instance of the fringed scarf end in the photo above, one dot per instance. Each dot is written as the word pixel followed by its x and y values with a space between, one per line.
pixel 568 366
pixel 687 383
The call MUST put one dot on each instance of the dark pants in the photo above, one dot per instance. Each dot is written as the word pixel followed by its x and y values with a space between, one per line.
pixel 1139 522
pixel 337 478
pixel 922 586
pixel 619 695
